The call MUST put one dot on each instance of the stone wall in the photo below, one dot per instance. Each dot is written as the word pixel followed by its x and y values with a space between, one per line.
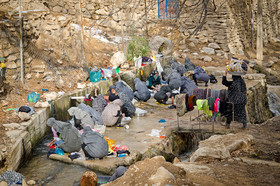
pixel 23 138
pixel 52 32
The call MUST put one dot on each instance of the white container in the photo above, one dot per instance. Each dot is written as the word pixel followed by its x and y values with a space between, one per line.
pixel 140 112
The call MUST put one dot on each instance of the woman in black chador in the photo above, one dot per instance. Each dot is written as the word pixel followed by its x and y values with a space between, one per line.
pixel 237 96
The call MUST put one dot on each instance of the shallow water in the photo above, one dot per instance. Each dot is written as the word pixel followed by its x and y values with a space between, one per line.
pixel 49 172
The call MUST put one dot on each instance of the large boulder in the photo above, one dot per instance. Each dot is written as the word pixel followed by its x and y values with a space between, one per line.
pixel 220 146
pixel 257 104
pixel 154 171
pixel 118 59
pixel 274 103
pixel 161 45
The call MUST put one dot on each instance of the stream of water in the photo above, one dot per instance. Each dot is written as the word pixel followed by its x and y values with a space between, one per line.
pixel 49 172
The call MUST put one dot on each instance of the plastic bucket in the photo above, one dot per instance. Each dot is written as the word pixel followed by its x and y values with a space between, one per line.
pixel 94 76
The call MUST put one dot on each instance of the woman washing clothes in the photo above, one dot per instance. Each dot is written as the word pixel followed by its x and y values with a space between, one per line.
pixel 237 96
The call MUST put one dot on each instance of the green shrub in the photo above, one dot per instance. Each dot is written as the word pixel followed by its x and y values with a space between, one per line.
pixel 137 46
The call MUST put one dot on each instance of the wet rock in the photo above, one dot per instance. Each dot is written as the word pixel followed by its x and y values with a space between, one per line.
pixel 162 177
pixel 208 50
pixel 118 59
pixel 220 146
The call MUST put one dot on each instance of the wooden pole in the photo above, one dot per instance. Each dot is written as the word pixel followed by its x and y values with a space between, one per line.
pixel 146 19
pixel 259 33
pixel 82 35
pixel 21 46
pixel 122 22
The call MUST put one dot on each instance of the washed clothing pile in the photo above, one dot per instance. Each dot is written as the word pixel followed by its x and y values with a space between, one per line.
pixel 69 134
pixel 94 144
pixel 142 93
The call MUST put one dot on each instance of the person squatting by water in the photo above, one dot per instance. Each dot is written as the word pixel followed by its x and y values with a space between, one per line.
pixel 237 96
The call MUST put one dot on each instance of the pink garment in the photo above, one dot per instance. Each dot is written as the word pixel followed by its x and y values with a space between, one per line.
pixel 54 133
pixel 122 147
pixel 87 99
pixel 216 105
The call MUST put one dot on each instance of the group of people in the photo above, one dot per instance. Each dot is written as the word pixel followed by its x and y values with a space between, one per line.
pixel 173 82
pixel 109 110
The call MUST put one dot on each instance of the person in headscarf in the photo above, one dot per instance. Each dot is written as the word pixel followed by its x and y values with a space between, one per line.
pixel 118 173
pixel 93 144
pixel 95 116
pixel 200 75
pixel 112 93
pixel 187 85
pixel 99 103
pixel 68 133
pixel 163 94
pixel 121 86
pixel 11 177
pixel 112 113
pixel 154 80
pixel 128 109
pixel 142 93
pixel 237 96
pixel 174 82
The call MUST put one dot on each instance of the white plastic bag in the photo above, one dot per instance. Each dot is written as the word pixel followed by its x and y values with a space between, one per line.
pixel 138 62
